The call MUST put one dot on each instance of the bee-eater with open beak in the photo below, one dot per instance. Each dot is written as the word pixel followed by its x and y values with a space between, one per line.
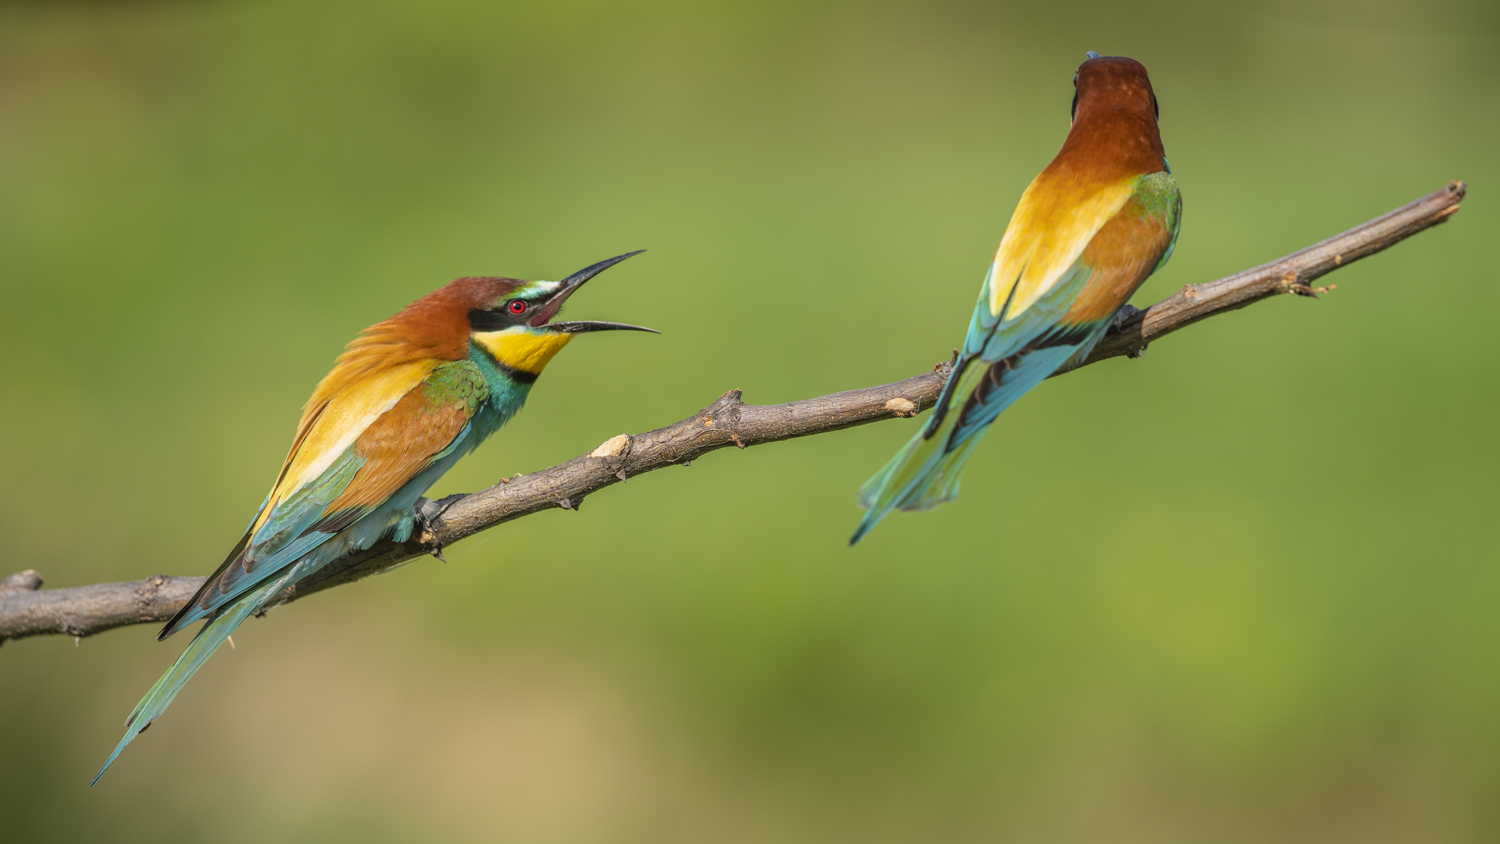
pixel 406 400
pixel 1101 218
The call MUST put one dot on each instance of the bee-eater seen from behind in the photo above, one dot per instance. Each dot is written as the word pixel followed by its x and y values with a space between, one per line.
pixel 407 399
pixel 1088 231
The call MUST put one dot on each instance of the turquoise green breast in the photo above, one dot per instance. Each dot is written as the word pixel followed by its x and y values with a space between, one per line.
pixel 457 384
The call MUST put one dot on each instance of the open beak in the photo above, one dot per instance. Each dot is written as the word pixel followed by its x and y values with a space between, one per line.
pixel 566 288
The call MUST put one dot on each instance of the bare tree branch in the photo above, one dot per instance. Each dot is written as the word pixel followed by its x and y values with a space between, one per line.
pixel 25 610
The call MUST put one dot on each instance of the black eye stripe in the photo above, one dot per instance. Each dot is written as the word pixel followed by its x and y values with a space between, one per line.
pixel 500 317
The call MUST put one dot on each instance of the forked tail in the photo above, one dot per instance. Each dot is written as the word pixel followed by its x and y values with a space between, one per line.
pixel 927 471
pixel 209 638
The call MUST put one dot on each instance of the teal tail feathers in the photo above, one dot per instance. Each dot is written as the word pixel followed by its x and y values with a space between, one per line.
pixel 921 476
pixel 209 638
pixel 927 471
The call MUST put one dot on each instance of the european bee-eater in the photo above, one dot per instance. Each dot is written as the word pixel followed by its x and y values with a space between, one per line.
pixel 407 399
pixel 1101 218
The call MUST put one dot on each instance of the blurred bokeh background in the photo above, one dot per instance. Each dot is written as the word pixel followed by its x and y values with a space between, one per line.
pixel 1243 589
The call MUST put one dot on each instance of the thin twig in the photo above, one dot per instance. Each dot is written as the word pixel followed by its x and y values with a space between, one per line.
pixel 25 610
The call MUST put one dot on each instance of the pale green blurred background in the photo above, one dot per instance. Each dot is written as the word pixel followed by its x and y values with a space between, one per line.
pixel 1244 589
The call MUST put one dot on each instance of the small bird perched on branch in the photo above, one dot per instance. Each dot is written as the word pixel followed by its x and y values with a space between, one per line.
pixel 1098 220
pixel 406 400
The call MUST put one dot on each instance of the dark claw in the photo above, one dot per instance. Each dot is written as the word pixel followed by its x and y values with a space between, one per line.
pixel 427 512
pixel 1122 317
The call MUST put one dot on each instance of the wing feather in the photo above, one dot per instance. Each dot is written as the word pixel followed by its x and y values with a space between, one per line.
pixel 419 430
pixel 1052 225
pixel 388 428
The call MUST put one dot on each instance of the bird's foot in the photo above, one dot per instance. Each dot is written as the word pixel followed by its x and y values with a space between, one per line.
pixel 1123 317
pixel 426 512
pixel 1122 322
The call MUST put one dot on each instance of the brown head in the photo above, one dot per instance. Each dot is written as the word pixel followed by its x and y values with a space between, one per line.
pixel 507 318
pixel 1114 130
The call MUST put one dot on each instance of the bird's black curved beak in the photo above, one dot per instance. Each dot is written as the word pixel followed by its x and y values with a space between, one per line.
pixel 566 288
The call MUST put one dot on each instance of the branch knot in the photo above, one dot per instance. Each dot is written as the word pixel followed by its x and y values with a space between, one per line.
pixel 27 580
pixel 902 407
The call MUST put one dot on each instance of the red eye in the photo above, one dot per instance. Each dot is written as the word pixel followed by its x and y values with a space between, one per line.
pixel 517 307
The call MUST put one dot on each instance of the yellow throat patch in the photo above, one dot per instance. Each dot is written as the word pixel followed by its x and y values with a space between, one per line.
pixel 523 350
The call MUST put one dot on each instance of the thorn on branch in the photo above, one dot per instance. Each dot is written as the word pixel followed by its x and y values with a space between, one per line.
pixel 621 475
pixel 687 463
pixel 570 504
pixel 737 441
